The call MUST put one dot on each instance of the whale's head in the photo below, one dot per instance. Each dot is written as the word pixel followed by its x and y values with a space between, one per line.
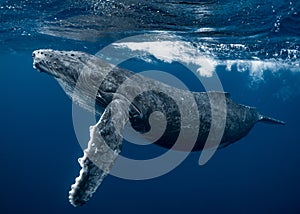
pixel 59 64
pixel 67 66
pixel 80 74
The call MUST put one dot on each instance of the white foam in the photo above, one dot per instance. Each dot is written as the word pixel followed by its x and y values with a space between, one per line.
pixel 173 51
pixel 176 50
pixel 256 67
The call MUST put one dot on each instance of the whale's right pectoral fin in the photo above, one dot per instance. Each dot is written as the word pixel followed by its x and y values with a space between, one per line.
pixel 103 149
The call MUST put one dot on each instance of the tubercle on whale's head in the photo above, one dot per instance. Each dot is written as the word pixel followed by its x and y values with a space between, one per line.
pixel 71 68
pixel 63 65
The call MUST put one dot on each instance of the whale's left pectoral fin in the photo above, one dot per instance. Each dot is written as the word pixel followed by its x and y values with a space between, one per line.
pixel 103 149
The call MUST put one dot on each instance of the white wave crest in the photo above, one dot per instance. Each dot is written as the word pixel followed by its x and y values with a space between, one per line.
pixel 176 50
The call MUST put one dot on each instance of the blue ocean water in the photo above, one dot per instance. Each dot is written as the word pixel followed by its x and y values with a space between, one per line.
pixel 252 45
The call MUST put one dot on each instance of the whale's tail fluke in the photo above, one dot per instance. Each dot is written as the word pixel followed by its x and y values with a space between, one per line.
pixel 270 120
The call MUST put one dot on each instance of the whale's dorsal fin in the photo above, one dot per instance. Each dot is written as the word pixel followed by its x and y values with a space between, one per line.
pixel 270 120
pixel 103 149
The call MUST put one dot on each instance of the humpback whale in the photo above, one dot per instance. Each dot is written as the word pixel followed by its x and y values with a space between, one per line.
pixel 99 92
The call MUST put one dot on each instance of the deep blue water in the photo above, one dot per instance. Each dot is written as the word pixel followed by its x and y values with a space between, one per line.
pixel 254 48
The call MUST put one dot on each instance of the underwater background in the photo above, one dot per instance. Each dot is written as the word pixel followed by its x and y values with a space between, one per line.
pixel 253 46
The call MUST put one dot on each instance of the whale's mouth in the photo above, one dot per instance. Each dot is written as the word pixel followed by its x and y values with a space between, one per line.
pixel 43 68
pixel 39 67
pixel 42 65
pixel 38 62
